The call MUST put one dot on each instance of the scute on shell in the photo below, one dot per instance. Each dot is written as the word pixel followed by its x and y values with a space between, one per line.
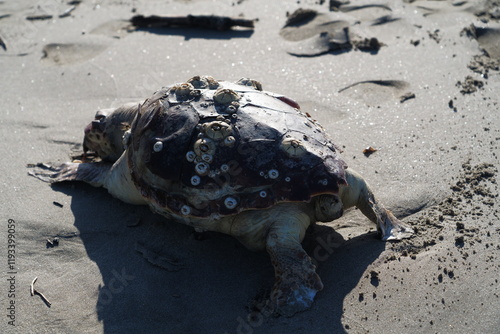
pixel 217 163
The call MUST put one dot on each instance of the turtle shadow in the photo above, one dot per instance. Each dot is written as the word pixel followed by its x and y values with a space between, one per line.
pixel 156 275
pixel 341 265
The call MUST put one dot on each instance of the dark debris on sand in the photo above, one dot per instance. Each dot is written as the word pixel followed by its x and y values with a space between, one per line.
pixel 473 196
pixel 469 85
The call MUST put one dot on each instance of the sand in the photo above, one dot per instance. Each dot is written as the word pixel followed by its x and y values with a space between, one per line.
pixel 416 80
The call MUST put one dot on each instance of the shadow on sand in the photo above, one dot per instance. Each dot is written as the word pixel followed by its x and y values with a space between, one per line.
pixel 192 286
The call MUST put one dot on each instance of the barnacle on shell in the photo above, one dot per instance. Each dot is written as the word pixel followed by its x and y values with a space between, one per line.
pixel 203 82
pixel 202 168
pixel 225 96
pixel 158 146
pixel 232 108
pixel 126 138
pixel 204 146
pixel 217 130
pixel 273 174
pixel 195 180
pixel 184 89
pixel 293 147
pixel 229 141
pixel 185 210
pixel 208 158
pixel 230 202
pixel 212 83
pixel 190 156
pixel 198 82
pixel 250 82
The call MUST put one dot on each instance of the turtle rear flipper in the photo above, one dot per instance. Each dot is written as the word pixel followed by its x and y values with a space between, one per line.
pixel 359 194
pixel 92 173
pixel 392 228
pixel 296 281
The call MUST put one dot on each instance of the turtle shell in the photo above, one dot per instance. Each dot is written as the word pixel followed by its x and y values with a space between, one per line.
pixel 206 148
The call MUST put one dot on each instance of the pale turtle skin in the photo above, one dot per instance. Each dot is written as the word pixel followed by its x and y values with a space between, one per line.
pixel 231 158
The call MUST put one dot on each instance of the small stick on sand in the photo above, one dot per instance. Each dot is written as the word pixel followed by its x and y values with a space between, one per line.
pixel 45 300
pixel 67 12
pixel 2 44
pixel 32 290
pixel 208 22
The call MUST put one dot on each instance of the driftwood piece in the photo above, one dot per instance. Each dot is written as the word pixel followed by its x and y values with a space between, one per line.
pixel 212 22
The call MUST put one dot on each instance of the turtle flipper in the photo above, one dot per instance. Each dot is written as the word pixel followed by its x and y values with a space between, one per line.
pixel 296 281
pixel 388 225
pixel 92 173
pixel 360 195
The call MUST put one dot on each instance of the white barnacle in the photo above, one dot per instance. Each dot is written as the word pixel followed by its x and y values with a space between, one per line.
pixel 158 146
pixel 126 138
pixel 195 92
pixel 263 194
pixel 230 202
pixel 293 147
pixel 195 180
pixel 204 145
pixel 262 173
pixel 287 179
pixel 324 182
pixel 208 158
pixel 190 156
pixel 202 168
pixel 233 107
pixel 224 168
pixel 229 141
pixel 273 174
pixel 185 210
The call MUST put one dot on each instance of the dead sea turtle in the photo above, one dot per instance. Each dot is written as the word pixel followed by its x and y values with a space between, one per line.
pixel 231 158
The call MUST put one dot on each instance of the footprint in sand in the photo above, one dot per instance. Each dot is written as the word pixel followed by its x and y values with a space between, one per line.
pixel 306 23
pixel 489 40
pixel 71 53
pixel 376 92
pixel 312 33
pixel 114 28
pixel 367 12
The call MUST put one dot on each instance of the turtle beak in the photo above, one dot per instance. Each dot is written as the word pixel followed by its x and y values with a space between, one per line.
pixel 88 128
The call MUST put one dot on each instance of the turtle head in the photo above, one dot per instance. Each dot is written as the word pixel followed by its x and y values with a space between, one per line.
pixel 104 135
pixel 328 208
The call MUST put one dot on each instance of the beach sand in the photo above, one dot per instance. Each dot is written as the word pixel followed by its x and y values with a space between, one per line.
pixel 419 83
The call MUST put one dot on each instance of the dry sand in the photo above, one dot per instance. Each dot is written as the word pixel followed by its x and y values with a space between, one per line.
pixel 120 269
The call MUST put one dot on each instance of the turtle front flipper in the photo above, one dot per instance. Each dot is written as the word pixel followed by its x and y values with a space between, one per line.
pixel 296 281
pixel 92 173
